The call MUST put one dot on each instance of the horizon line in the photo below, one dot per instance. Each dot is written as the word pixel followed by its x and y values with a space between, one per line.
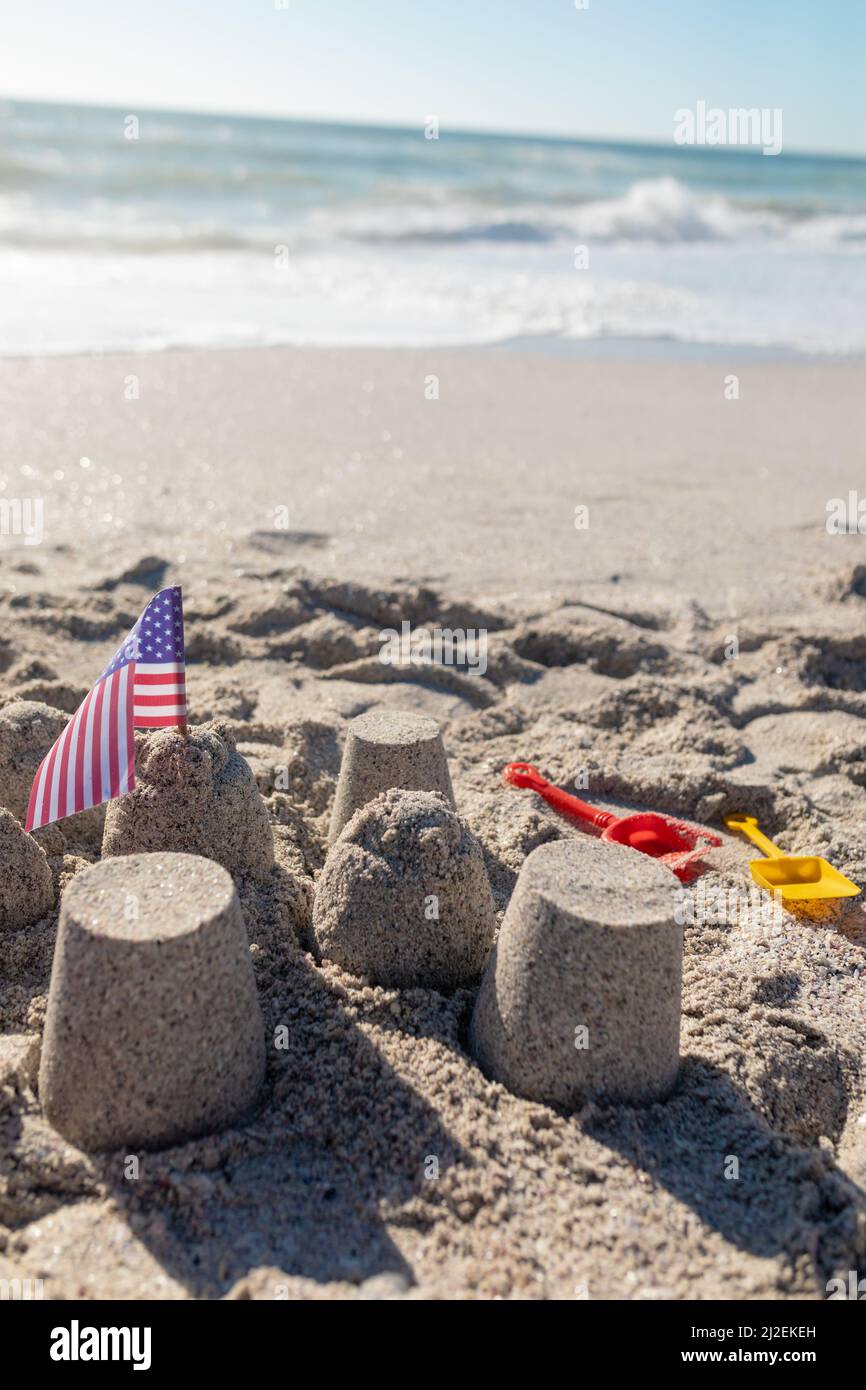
pixel 388 125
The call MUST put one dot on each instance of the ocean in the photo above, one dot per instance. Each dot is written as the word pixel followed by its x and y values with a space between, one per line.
pixel 227 230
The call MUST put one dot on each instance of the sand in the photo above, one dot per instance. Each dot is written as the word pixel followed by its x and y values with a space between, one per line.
pixel 381 1162
pixel 404 898
pixel 581 996
pixel 384 750
pixel 337 458
pixel 193 794
pixel 26 885
pixel 153 1034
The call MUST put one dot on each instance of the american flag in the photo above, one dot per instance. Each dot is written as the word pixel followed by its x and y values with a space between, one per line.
pixel 142 687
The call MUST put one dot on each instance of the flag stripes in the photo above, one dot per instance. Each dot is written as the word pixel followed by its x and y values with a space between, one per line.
pixel 94 757
pixel 160 694
pixel 93 760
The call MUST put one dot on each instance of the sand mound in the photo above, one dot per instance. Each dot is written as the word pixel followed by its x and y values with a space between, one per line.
pixel 404 898
pixel 28 728
pixel 26 885
pixel 194 794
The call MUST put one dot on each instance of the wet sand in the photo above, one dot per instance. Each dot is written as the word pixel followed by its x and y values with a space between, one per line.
pixel 340 459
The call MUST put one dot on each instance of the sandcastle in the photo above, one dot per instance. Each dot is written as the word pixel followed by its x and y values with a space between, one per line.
pixel 153 1032
pixel 27 730
pixel 581 995
pixel 194 794
pixel 384 749
pixel 26 885
pixel 404 897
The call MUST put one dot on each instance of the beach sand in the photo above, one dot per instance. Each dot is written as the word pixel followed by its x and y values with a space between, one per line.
pixel 308 500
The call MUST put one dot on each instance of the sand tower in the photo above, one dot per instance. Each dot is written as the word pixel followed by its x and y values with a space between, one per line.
pixel 581 996
pixel 389 748
pixel 154 1033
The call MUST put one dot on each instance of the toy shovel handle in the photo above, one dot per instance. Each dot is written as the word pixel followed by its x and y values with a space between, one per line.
pixel 749 827
pixel 525 775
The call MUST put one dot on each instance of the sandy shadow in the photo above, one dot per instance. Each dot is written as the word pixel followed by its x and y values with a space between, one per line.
pixel 761 1191
pixel 846 915
pixel 15 1209
pixel 301 1187
pixel 501 876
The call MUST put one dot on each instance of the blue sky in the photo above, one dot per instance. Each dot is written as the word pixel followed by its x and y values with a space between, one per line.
pixel 618 69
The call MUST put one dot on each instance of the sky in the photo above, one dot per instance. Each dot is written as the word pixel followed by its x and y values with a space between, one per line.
pixel 616 69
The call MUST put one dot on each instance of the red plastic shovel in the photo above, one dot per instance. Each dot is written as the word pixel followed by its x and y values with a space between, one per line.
pixel 674 842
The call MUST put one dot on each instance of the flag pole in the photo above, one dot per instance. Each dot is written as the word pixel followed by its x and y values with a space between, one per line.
pixel 182 724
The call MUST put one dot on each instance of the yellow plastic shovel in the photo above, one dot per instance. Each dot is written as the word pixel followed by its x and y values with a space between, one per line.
pixel 793 876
